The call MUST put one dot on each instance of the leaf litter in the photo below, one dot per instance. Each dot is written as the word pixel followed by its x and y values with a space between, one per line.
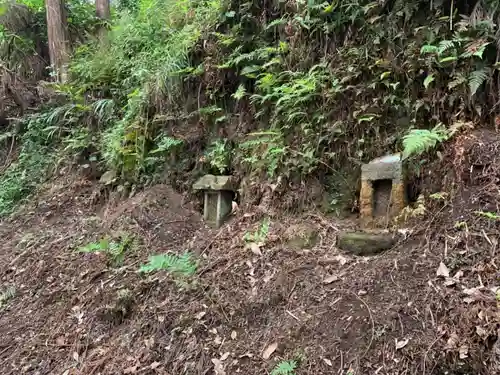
pixel 294 302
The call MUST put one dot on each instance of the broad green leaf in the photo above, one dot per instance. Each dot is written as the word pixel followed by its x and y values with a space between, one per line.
pixel 428 80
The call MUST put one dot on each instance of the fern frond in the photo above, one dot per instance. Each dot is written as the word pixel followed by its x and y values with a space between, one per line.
pixel 240 92
pixel 183 265
pixel 285 368
pixel 445 45
pixel 458 79
pixel 418 141
pixel 428 49
pixel 278 22
pixel 476 79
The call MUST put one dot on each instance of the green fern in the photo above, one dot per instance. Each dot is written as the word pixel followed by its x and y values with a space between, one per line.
pixel 285 368
pixel 428 80
pixel 166 144
pixel 476 79
pixel 114 250
pixel 182 265
pixel 219 155
pixel 445 45
pixel 240 92
pixel 418 141
pixel 427 48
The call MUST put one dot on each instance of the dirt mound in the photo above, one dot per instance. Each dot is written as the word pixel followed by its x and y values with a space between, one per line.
pixel 267 289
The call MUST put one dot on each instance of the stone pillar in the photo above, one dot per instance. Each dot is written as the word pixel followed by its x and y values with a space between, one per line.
pixel 224 206
pixel 366 201
pixel 398 197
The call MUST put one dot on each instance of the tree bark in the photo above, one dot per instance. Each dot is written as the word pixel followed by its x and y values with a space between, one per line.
pixel 57 31
pixel 103 12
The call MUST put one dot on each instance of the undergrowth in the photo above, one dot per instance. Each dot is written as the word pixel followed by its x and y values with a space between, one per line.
pixel 286 91
pixel 25 173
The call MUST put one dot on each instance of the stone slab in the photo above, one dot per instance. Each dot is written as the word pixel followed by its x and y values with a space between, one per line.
pixel 217 183
pixel 385 168
pixel 365 243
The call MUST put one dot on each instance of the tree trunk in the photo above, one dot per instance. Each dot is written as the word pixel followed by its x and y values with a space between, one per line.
pixel 58 38
pixel 103 12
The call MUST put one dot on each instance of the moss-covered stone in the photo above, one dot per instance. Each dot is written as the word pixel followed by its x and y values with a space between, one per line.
pixel 301 237
pixel 363 243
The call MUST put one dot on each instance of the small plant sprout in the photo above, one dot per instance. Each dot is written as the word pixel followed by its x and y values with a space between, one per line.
pixel 488 215
pixel 6 295
pixel 441 196
pixel 260 234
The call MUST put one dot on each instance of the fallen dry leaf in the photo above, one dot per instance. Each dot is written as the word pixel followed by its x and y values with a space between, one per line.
pixel 255 248
pixel 130 370
pixel 154 365
pixel 452 342
pixel 443 270
pixel 463 352
pixel 330 279
pixel 200 315
pixel 218 367
pixel 341 259
pixel 400 344
pixel 270 350
pixel 224 356
pixel 481 332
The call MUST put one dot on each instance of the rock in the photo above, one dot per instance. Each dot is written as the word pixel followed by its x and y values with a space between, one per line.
pixel 299 237
pixel 211 182
pixel 108 177
pixel 363 243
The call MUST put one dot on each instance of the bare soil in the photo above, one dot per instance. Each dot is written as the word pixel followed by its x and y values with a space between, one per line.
pixel 245 310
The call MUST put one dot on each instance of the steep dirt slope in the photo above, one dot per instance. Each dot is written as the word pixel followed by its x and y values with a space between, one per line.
pixel 245 310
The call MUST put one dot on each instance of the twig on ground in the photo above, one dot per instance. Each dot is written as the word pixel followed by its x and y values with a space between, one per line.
pixel 427 352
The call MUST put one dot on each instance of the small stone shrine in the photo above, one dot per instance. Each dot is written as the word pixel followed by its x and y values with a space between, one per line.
pixel 218 197
pixel 382 194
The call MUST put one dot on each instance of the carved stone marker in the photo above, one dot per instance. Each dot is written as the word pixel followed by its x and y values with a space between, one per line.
pixel 382 190
pixel 218 197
